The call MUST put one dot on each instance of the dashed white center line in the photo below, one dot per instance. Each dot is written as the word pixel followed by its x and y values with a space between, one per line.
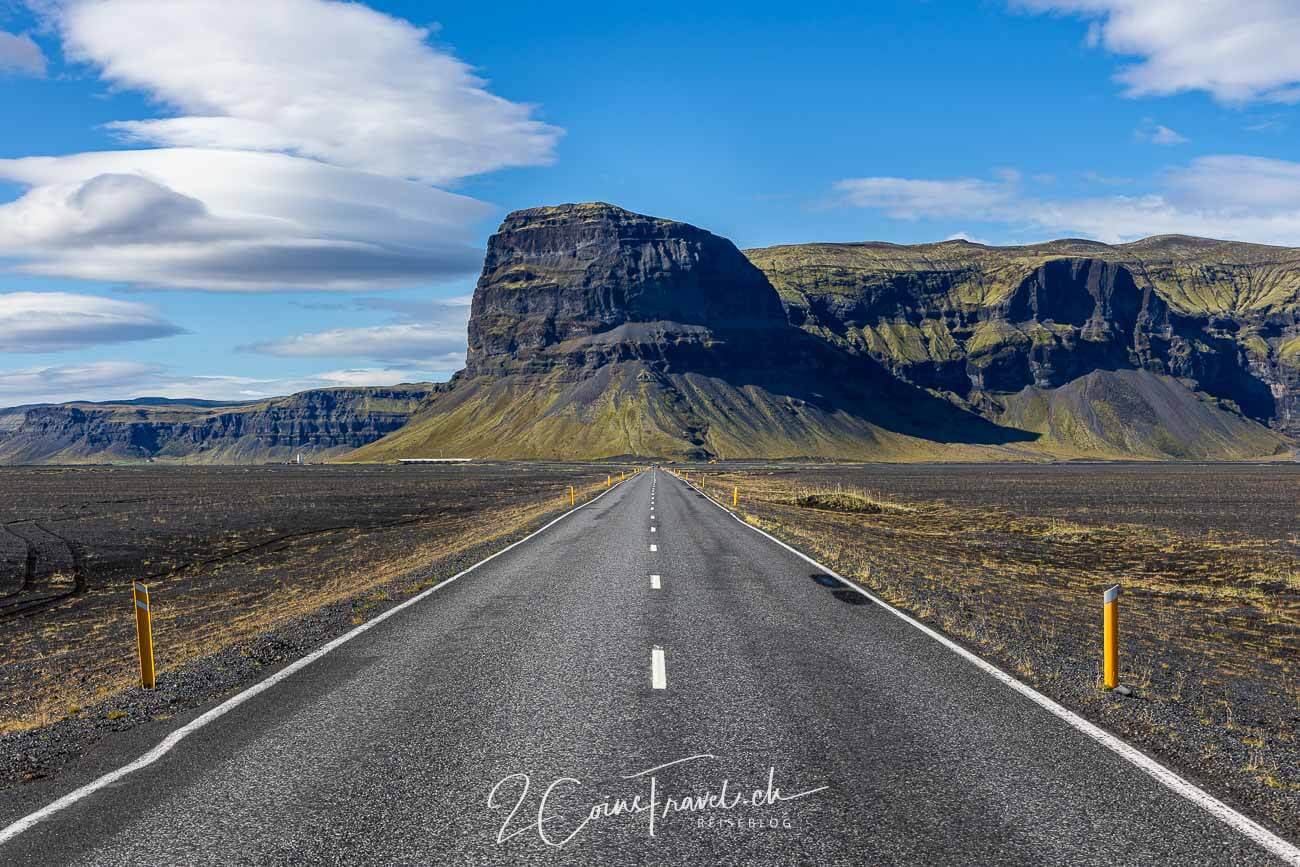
pixel 654 547
pixel 658 674
pixel 655 583
pixel 653 530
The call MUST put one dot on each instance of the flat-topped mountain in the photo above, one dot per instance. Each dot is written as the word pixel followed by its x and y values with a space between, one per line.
pixel 597 332
pixel 579 278
pixel 318 423
pixel 996 327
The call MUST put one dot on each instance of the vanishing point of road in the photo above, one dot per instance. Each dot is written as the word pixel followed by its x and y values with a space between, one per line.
pixel 646 681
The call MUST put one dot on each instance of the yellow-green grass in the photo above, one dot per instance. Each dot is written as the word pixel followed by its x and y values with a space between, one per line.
pixel 1210 620
pixel 81 653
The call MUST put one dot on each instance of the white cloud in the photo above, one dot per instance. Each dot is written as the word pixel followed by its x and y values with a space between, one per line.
pixel 1270 124
pixel 123 380
pixel 911 199
pixel 430 333
pixel 110 209
pixel 77 381
pixel 1231 197
pixel 19 54
pixel 57 321
pixel 374 376
pixel 1244 184
pixel 231 221
pixel 963 236
pixel 298 141
pixel 337 82
pixel 1237 50
pixel 411 340
pixel 1158 134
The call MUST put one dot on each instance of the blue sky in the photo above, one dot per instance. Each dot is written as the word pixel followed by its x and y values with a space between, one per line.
pixel 246 199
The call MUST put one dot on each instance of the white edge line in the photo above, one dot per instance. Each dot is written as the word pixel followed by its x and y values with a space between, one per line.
pixel 1248 827
pixel 169 743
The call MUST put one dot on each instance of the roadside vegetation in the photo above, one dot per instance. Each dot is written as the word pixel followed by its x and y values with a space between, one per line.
pixel 1012 562
pixel 230 555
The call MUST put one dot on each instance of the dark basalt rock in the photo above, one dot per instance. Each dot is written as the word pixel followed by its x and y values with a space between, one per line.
pixel 596 332
pixel 320 423
pixel 578 285
pixel 975 322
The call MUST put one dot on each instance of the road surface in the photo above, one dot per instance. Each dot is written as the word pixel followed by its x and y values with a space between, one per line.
pixel 647 649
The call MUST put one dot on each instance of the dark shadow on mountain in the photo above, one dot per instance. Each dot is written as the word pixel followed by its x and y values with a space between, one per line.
pixel 794 364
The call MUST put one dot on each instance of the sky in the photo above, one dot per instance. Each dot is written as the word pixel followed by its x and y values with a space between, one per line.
pixel 231 199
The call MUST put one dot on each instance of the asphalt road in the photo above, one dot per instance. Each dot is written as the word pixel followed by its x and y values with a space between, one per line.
pixel 807 725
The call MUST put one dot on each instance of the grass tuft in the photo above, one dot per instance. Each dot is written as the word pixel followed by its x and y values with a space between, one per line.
pixel 841 499
pixel 840 503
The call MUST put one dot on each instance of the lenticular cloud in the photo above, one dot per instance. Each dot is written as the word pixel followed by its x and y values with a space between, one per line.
pixel 58 321
pixel 296 148
pixel 231 221
pixel 337 82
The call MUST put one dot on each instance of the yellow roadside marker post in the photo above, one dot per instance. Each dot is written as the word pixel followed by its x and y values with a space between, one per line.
pixel 622 476
pixel 735 497
pixel 609 481
pixel 143 633
pixel 571 500
pixel 1110 647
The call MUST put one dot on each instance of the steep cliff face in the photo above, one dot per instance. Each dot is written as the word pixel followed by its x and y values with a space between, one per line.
pixel 592 279
pixel 598 332
pixel 979 323
pixel 319 423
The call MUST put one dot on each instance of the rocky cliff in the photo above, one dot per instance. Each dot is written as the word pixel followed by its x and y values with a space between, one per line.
pixel 318 423
pixel 982 324
pixel 598 332
pixel 575 285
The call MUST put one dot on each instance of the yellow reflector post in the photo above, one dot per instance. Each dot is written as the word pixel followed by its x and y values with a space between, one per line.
pixel 143 633
pixel 1110 640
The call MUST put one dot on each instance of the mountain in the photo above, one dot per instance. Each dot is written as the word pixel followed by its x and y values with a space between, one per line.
pixel 319 423
pixel 990 328
pixel 597 332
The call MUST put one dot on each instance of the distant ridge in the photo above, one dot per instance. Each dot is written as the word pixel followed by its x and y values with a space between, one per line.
pixel 979 323
pixel 320 423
